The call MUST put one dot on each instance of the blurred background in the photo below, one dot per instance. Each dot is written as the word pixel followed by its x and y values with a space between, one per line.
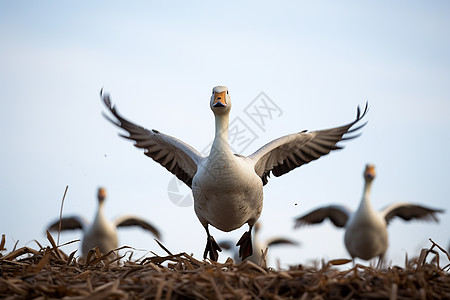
pixel 316 61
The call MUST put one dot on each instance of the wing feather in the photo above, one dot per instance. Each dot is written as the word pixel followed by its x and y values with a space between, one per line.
pixel 130 220
pixel 291 151
pixel 280 241
pixel 337 214
pixel 408 211
pixel 176 156
pixel 69 223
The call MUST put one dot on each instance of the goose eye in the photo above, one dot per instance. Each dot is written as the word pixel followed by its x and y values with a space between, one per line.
pixel 227 92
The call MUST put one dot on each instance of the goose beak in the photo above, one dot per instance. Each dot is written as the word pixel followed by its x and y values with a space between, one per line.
pixel 370 172
pixel 101 194
pixel 220 99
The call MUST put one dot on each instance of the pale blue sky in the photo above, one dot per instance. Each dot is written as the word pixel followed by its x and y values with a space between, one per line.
pixel 317 60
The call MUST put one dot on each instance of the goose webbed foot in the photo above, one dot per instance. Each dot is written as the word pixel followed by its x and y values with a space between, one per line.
pixel 245 244
pixel 211 247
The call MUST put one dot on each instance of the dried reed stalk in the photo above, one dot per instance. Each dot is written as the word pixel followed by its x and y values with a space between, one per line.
pixel 49 273
pixel 60 212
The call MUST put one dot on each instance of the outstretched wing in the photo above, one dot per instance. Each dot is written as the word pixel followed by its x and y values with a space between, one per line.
pixel 129 220
pixel 337 214
pixel 69 223
pixel 176 156
pixel 291 151
pixel 280 241
pixel 227 245
pixel 408 211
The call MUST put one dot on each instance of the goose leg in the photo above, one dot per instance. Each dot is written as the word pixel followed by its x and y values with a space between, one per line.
pixel 211 247
pixel 245 244
pixel 380 261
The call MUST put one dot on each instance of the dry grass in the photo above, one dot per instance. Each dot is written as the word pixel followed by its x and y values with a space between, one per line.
pixel 49 273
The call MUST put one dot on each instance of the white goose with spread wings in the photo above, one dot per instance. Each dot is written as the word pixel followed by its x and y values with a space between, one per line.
pixel 227 187
pixel 366 234
pixel 101 233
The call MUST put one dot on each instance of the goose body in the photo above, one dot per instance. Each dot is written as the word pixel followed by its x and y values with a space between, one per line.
pixel 102 233
pixel 227 187
pixel 366 233
pixel 231 178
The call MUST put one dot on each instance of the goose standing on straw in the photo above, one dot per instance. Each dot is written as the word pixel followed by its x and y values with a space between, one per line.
pixel 228 187
pixel 366 234
pixel 101 233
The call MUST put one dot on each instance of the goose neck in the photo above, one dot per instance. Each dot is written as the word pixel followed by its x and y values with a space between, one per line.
pixel 220 145
pixel 99 213
pixel 222 122
pixel 365 203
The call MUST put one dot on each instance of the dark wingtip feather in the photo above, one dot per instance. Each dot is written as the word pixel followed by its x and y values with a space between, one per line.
pixel 110 120
pixel 300 223
pixel 346 138
pixel 357 128
pixel 359 116
pixel 107 100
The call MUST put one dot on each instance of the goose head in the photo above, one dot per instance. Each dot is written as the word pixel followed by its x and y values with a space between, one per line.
pixel 220 100
pixel 369 173
pixel 101 195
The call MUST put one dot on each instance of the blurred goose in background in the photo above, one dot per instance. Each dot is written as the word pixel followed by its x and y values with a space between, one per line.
pixel 258 246
pixel 227 187
pixel 101 233
pixel 366 234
